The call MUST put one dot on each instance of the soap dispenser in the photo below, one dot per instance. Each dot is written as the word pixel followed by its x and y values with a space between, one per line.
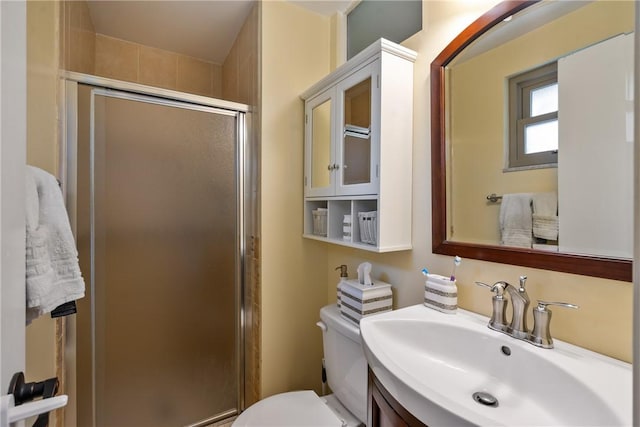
pixel 343 276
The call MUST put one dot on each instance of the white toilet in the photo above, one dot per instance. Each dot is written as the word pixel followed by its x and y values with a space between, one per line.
pixel 346 374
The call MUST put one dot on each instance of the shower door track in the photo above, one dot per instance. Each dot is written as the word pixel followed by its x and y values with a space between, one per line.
pixel 68 177
pixel 107 83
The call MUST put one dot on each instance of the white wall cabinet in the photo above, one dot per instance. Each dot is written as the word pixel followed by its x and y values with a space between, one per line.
pixel 358 150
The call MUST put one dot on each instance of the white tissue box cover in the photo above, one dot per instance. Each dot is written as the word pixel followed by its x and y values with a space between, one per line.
pixel 358 301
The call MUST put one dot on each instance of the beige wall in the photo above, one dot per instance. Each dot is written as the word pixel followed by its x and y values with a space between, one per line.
pixel 42 151
pixel 477 102
pixel 604 321
pixel 295 54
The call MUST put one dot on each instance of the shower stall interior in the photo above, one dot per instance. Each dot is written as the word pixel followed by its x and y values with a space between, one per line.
pixel 155 192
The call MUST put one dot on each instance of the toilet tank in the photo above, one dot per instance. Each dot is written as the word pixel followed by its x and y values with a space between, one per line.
pixel 344 361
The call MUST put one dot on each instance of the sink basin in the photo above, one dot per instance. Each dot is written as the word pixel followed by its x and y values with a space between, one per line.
pixel 432 363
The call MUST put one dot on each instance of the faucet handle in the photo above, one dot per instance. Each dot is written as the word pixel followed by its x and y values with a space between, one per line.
pixel 497 287
pixel 542 305
pixel 540 335
pixel 484 284
pixel 523 280
pixel 498 320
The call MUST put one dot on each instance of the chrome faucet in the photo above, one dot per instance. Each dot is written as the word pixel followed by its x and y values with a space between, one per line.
pixel 520 301
pixel 517 328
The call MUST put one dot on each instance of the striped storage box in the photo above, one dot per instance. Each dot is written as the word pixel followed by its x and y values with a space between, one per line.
pixel 358 301
pixel 441 293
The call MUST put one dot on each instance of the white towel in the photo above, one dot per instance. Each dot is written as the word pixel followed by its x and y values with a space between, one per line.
pixel 548 248
pixel 545 203
pixel 545 215
pixel 52 272
pixel 515 220
pixel 545 227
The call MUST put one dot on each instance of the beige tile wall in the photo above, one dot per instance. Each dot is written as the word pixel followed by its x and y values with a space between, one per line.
pixel 240 68
pixel 86 52
pixel 132 62
pixel 77 37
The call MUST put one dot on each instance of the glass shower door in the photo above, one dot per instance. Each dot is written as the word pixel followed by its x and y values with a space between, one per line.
pixel 162 216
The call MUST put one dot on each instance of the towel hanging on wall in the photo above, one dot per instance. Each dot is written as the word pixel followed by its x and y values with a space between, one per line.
pixel 53 276
pixel 515 220
pixel 545 215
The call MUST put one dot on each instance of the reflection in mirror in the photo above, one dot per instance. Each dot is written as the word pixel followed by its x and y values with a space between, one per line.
pixel 569 201
pixel 321 145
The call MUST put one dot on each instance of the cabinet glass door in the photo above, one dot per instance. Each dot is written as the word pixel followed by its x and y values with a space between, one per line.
pixel 356 149
pixel 356 160
pixel 319 158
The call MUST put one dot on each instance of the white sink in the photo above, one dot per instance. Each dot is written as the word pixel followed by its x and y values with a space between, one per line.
pixel 433 363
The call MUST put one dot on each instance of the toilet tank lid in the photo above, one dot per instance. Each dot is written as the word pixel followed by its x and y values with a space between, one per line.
pixel 330 315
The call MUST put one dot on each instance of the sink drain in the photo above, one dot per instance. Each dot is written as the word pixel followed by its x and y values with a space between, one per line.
pixel 485 398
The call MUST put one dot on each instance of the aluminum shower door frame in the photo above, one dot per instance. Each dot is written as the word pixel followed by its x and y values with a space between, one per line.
pixel 68 173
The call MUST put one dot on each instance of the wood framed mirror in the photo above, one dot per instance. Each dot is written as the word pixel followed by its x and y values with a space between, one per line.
pixel 597 265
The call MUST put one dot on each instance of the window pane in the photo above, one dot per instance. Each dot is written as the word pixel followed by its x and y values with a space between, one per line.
pixel 541 137
pixel 370 20
pixel 544 100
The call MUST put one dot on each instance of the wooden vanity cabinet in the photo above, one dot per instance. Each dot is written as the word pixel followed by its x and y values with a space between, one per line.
pixel 384 411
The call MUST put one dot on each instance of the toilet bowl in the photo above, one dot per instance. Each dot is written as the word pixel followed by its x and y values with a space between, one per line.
pixel 346 370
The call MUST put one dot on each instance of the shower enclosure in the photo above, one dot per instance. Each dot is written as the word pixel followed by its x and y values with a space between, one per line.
pixel 155 190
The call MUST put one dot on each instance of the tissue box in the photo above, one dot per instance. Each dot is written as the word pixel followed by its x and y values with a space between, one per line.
pixel 358 301
pixel 441 293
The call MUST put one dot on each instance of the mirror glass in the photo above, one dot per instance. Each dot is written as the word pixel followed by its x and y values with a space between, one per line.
pixel 357 129
pixel 582 202
pixel 321 145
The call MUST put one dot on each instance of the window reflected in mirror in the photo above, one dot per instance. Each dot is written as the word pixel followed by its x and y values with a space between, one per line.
pixel 533 118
